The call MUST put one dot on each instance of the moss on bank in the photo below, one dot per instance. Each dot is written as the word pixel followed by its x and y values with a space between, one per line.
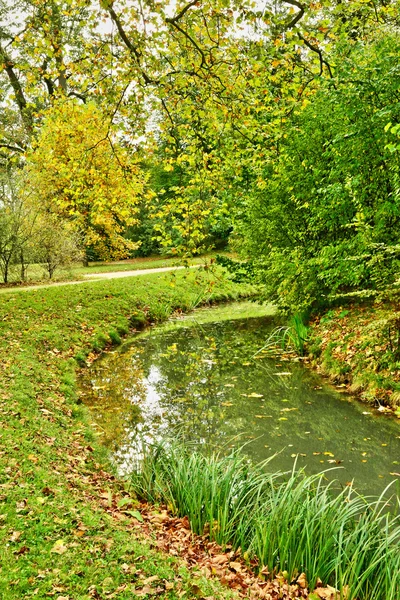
pixel 359 346
pixel 65 528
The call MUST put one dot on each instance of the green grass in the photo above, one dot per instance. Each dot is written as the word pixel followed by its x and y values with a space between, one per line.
pixel 291 523
pixel 37 273
pixel 61 531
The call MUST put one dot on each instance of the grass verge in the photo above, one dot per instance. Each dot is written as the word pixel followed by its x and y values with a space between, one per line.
pixel 68 530
pixel 291 523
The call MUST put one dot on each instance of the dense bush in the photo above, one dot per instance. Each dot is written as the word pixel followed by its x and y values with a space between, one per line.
pixel 325 218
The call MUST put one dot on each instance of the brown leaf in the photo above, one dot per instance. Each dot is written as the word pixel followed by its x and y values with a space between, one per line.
pixel 327 593
pixel 160 518
pixel 302 581
pixel 150 579
pixel 15 536
pixel 145 590
pixel 59 547
pixel 196 590
pixel 220 559
pixel 236 566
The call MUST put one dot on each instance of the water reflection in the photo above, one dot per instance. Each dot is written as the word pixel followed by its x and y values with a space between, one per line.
pixel 210 381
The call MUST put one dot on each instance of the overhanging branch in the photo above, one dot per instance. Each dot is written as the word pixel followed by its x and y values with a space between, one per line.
pixel 298 16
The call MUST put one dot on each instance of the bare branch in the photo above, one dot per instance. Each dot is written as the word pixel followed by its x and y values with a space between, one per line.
pixel 191 40
pixel 77 95
pixel 131 47
pixel 16 85
pixel 11 147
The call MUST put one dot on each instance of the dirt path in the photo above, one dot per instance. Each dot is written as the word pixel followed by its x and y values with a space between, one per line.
pixel 95 277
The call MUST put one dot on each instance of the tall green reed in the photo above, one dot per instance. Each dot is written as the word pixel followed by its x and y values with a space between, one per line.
pixel 290 521
pixel 288 337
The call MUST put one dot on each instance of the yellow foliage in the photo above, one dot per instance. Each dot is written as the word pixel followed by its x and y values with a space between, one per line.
pixel 78 171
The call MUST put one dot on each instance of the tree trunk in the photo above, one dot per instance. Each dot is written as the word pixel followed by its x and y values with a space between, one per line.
pixel 24 266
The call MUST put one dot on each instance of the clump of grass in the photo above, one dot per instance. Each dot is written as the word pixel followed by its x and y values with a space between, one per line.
pixel 115 337
pixel 289 522
pixel 298 333
pixel 288 337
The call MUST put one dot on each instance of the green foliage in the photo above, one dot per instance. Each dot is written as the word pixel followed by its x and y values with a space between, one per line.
pixel 325 219
pixel 290 522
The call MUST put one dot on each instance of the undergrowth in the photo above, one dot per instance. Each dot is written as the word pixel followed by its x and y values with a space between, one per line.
pixel 359 346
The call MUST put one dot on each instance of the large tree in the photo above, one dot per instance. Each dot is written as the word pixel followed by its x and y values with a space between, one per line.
pixel 78 170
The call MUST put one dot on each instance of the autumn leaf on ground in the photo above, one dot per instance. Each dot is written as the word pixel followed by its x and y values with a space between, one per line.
pixel 59 547
pixel 15 536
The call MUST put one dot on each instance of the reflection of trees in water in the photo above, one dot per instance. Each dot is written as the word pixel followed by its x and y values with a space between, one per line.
pixel 206 382
pixel 108 387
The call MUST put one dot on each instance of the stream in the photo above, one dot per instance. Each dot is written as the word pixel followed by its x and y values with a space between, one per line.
pixel 206 378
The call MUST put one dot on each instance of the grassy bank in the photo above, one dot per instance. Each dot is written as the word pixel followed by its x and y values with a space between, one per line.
pixel 289 523
pixel 69 530
pixel 359 346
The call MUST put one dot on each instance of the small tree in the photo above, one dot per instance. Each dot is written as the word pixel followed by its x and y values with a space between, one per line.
pixel 56 244
pixel 17 222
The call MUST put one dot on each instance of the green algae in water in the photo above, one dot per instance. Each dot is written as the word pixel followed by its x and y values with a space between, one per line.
pixel 208 381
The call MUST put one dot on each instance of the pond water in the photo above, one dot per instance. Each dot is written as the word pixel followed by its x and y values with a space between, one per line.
pixel 207 378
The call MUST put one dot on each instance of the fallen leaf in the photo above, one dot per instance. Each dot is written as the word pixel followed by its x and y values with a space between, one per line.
pixel 59 547
pixel 150 579
pixel 327 593
pixel 160 518
pixel 196 590
pixel 302 581
pixel 236 566
pixel 15 536
pixel 135 514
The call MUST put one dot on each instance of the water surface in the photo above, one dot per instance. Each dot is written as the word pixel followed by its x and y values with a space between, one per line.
pixel 208 377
